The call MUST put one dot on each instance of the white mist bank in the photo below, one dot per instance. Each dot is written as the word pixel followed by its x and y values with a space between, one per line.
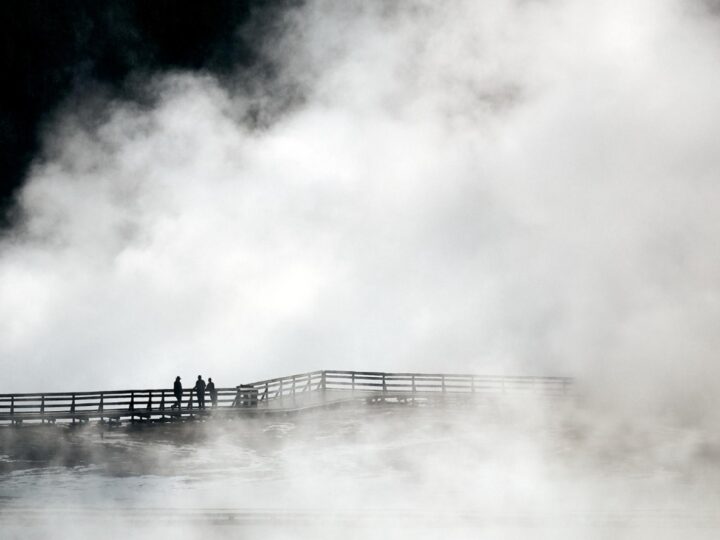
pixel 508 467
pixel 495 187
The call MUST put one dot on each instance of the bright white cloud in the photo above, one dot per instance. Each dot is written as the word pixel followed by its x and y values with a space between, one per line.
pixel 466 186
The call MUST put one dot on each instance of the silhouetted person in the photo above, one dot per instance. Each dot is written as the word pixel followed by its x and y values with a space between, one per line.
pixel 213 393
pixel 177 390
pixel 200 391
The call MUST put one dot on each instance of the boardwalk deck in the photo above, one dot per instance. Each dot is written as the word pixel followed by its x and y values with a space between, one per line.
pixel 281 395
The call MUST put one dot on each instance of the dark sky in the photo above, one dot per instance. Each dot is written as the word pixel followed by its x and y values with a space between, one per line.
pixel 51 50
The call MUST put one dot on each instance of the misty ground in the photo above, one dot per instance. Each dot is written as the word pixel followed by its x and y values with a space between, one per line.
pixel 499 467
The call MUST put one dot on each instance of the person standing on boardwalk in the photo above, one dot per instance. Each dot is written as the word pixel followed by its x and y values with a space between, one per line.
pixel 177 390
pixel 200 390
pixel 213 393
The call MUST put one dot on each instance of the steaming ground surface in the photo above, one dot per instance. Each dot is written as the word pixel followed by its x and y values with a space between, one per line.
pixel 499 468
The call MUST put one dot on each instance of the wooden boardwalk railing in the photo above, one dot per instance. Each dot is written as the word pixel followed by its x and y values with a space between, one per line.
pixel 406 383
pixel 105 405
pixel 160 404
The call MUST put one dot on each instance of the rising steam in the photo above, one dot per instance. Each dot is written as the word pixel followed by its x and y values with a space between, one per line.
pixel 477 187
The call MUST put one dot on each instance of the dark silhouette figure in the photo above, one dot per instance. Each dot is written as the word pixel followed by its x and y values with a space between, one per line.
pixel 177 390
pixel 200 391
pixel 213 393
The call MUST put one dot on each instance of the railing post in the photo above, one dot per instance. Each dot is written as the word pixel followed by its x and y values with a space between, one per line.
pixel 280 391
pixel 132 406
pixel 42 408
pixel 353 381
pixel 267 390
pixel 72 407
pixel 323 380
pixel 12 406
pixel 412 379
pixel 293 385
pixel 442 382
pixel 162 404
pixel 149 405
pixel 384 384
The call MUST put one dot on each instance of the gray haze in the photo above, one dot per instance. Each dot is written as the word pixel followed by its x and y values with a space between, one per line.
pixel 505 468
pixel 500 187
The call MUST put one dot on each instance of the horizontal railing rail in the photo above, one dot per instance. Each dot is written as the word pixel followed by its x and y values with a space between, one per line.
pixel 441 382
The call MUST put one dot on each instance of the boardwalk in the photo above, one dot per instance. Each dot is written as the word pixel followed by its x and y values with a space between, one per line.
pixel 281 395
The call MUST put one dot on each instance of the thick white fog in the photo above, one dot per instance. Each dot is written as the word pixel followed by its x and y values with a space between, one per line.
pixel 487 187
pixel 506 468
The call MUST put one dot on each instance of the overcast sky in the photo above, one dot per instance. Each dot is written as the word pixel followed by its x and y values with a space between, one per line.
pixel 486 187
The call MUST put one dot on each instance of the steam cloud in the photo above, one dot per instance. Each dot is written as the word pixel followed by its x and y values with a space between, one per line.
pixel 464 186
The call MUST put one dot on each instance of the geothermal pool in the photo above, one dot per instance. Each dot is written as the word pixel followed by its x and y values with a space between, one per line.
pixel 500 468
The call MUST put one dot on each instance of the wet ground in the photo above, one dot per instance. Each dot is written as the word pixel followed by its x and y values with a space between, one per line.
pixel 495 468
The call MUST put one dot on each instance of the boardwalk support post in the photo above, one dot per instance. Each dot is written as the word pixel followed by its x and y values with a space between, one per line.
pixel 72 408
